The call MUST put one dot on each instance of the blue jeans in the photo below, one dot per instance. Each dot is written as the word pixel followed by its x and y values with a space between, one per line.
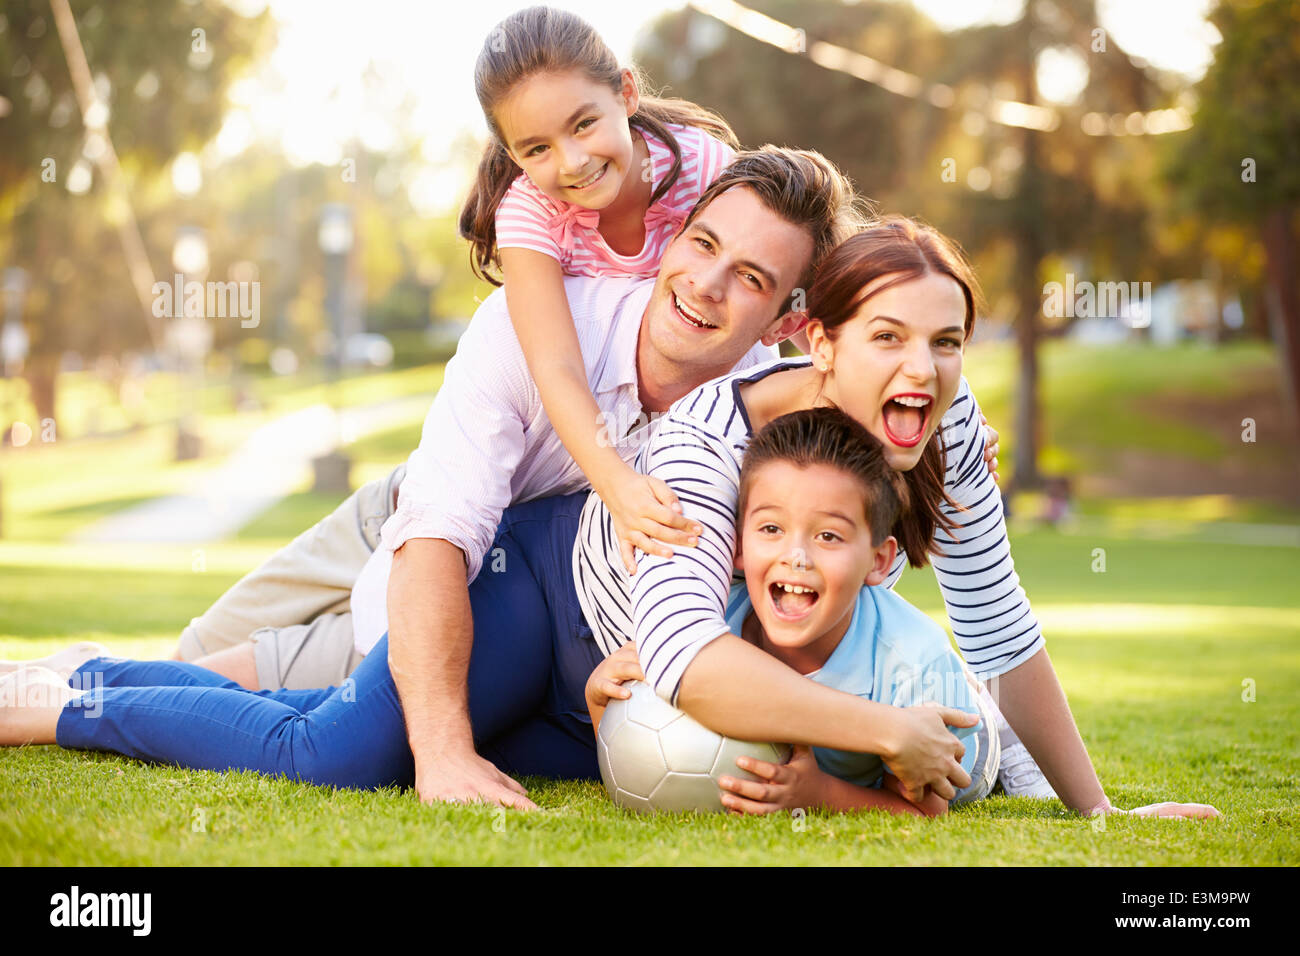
pixel 532 654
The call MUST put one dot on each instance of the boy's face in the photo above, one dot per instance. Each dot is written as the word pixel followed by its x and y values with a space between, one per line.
pixel 806 528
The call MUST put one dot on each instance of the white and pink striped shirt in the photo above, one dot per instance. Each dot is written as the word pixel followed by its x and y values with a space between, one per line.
pixel 529 219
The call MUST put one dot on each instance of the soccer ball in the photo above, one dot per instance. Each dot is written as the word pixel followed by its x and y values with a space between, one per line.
pixel 655 757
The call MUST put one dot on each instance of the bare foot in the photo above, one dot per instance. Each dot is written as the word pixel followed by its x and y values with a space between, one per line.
pixel 63 662
pixel 30 703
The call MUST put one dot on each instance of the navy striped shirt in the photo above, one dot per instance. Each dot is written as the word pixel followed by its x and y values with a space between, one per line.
pixel 674 606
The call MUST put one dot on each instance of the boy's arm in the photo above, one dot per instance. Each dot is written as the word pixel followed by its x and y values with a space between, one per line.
pixel 544 325
pixel 800 782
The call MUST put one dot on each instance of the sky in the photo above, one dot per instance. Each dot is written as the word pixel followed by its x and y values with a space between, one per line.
pixel 312 98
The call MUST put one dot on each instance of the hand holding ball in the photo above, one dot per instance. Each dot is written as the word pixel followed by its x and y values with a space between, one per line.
pixel 655 757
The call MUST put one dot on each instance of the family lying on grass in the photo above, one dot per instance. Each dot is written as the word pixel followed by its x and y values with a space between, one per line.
pixel 450 626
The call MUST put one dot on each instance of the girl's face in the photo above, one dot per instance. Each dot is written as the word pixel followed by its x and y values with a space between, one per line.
pixel 570 135
pixel 805 549
pixel 896 364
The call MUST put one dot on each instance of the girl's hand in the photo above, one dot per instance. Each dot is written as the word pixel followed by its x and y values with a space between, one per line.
pixel 797 783
pixel 990 447
pixel 926 753
pixel 647 515
pixel 607 680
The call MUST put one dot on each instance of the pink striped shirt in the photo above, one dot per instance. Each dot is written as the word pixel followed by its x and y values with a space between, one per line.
pixel 529 219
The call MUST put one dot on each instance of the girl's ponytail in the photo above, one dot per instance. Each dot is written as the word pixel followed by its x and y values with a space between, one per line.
pixel 478 217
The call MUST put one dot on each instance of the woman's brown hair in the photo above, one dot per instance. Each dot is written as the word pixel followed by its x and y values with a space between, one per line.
pixel 901 249
pixel 827 436
pixel 546 40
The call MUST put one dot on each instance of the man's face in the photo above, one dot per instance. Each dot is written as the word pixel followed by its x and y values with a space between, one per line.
pixel 724 281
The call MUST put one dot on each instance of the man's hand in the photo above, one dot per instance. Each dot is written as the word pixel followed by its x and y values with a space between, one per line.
pixel 781 786
pixel 925 752
pixel 462 776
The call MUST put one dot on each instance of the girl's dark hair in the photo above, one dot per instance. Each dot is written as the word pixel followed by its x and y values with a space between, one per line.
pixel 546 40
pixel 827 436
pixel 904 249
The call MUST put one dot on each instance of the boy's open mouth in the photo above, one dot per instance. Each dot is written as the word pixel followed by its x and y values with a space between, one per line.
pixel 791 601
pixel 906 417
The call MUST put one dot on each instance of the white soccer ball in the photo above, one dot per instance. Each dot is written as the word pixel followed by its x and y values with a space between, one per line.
pixel 655 757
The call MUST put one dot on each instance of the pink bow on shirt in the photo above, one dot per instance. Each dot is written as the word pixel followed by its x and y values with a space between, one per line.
pixel 660 214
pixel 561 225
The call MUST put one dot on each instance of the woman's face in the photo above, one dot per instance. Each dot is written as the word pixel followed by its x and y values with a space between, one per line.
pixel 896 364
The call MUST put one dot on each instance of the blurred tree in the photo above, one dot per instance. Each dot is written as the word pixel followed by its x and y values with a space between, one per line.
pixel 1019 199
pixel 1240 162
pixel 161 70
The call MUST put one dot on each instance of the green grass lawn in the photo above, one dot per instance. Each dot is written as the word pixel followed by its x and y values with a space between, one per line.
pixel 1181 660
pixel 1155 654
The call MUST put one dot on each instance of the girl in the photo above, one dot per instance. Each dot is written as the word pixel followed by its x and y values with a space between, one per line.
pixel 584 176
pixel 818 504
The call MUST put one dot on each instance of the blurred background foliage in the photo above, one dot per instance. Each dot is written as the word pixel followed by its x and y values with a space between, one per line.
pixel 1177 210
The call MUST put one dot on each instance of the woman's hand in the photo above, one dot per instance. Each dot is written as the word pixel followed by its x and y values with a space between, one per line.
pixel 1183 811
pixel 797 783
pixel 990 447
pixel 607 680
pixel 647 515
pixel 925 753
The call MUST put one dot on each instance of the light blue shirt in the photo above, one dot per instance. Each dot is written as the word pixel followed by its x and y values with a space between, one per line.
pixel 891 653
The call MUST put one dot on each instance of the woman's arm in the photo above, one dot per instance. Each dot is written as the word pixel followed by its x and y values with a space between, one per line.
pixel 1031 699
pixel 644 512
pixel 992 620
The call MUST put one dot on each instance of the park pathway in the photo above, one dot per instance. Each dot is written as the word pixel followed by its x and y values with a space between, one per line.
pixel 272 463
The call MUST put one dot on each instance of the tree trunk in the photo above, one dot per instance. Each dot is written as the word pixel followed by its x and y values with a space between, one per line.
pixel 1284 303
pixel 41 373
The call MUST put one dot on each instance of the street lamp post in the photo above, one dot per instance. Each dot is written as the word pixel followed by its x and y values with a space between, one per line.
pixel 13 350
pixel 332 471
pixel 189 337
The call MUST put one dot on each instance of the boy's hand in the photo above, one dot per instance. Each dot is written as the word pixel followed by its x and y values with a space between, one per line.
pixel 797 783
pixel 647 515
pixel 990 447
pixel 607 680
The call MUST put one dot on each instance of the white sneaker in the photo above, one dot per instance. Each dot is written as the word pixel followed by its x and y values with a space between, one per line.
pixel 1020 776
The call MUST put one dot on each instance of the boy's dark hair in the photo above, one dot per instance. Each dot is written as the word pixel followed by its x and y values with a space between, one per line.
pixel 827 436
pixel 546 40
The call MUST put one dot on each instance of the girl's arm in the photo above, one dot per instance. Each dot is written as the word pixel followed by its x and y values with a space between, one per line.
pixel 646 513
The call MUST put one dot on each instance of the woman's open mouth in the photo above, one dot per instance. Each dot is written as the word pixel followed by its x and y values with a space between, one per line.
pixel 792 602
pixel 906 417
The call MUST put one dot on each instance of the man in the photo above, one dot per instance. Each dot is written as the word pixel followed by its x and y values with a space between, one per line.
pixel 753 238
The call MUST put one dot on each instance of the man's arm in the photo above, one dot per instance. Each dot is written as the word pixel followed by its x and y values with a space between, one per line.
pixel 457 485
pixel 431 634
